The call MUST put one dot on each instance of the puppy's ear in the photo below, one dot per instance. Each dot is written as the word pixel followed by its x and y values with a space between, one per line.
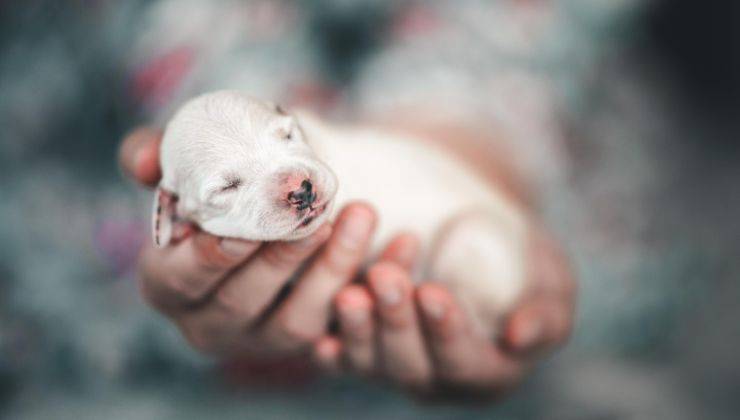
pixel 277 108
pixel 163 217
pixel 284 127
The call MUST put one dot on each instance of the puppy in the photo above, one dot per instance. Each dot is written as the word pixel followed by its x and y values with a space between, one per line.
pixel 243 168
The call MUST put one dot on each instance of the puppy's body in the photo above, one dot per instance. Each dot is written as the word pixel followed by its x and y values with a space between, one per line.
pixel 473 236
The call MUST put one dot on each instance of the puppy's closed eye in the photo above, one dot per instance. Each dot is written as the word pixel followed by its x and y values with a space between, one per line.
pixel 232 184
pixel 221 192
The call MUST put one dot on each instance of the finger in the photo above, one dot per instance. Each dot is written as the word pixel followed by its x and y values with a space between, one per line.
pixel 250 290
pixel 139 155
pixel 403 250
pixel 327 352
pixel 538 326
pixel 304 315
pixel 401 343
pixel 183 274
pixel 461 358
pixel 354 308
pixel 544 319
pixel 222 324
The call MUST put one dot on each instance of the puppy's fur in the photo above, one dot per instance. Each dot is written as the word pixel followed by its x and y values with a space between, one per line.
pixel 244 168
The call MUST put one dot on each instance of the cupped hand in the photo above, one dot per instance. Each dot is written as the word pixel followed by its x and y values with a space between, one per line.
pixel 420 339
pixel 228 296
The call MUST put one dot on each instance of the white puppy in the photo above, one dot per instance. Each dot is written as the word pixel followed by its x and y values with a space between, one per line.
pixel 239 167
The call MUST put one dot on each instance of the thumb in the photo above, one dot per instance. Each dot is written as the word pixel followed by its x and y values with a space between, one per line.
pixel 139 155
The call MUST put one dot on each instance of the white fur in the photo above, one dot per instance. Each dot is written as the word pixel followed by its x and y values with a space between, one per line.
pixel 473 237
pixel 224 135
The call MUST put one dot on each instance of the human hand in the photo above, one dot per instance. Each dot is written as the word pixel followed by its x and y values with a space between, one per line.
pixel 419 338
pixel 225 295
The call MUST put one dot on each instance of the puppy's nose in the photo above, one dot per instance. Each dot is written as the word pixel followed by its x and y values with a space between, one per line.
pixel 304 196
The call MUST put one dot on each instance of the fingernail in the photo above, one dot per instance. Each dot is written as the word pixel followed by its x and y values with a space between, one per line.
pixel 529 332
pixel 354 317
pixel 355 229
pixel 433 307
pixel 388 293
pixel 236 248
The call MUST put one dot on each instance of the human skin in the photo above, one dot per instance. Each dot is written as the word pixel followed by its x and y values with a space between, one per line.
pixel 223 296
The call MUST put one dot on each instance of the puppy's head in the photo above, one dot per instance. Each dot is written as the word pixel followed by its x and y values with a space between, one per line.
pixel 242 168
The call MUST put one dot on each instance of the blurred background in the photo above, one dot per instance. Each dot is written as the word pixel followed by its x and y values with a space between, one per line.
pixel 625 112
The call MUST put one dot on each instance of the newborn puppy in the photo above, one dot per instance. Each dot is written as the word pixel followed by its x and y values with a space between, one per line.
pixel 243 168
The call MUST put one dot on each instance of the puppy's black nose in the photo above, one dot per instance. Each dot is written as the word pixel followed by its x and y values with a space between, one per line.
pixel 304 196
pixel 307 186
